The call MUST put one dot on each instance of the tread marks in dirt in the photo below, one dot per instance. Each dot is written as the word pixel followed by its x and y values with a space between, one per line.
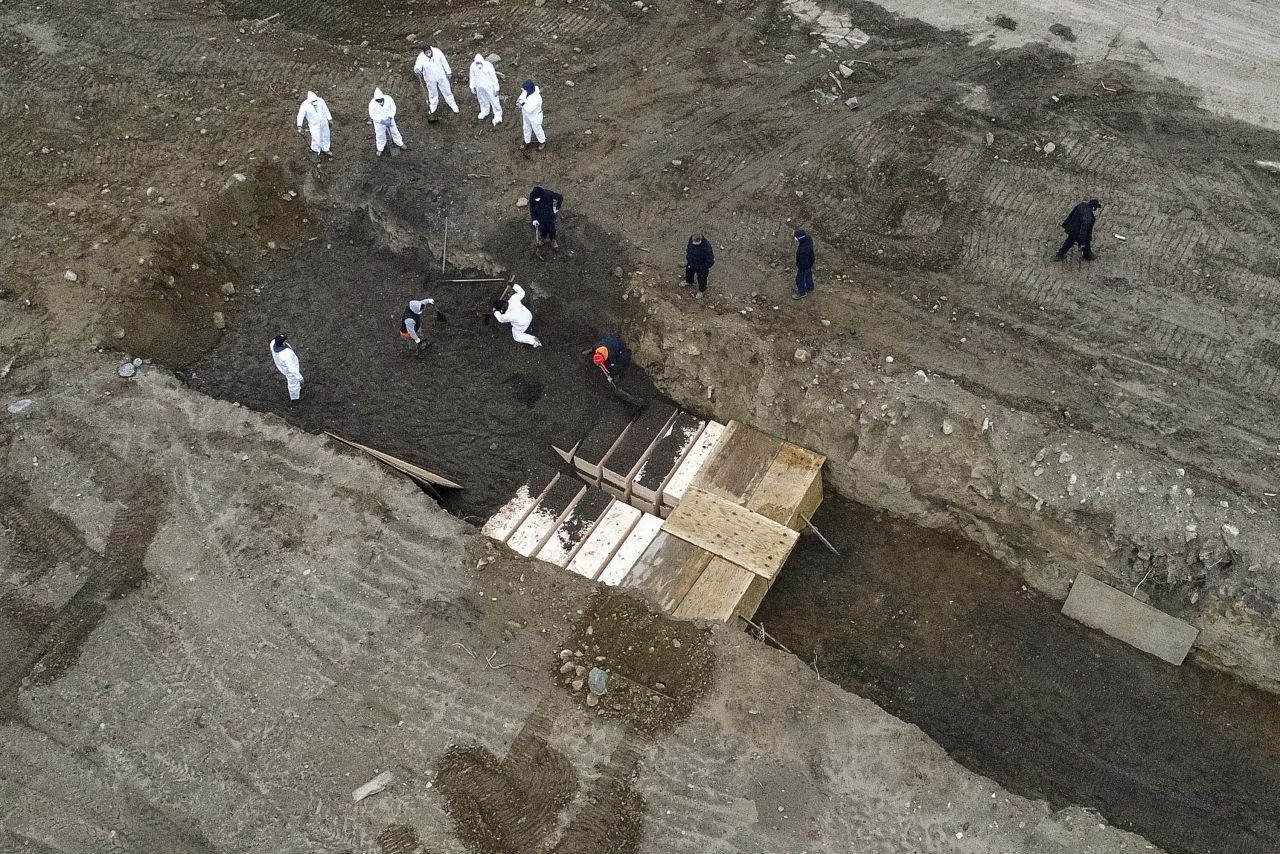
pixel 512 805
pixel 659 669
pixel 119 568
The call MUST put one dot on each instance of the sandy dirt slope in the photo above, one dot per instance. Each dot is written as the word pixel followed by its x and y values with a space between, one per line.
pixel 217 627
pixel 1228 50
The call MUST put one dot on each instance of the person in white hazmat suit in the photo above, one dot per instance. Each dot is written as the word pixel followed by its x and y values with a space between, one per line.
pixel 516 313
pixel 382 112
pixel 287 363
pixel 530 104
pixel 315 112
pixel 484 84
pixel 433 70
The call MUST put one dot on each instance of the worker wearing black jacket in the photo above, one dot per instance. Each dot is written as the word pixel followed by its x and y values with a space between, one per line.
pixel 612 357
pixel 1079 228
pixel 699 258
pixel 804 264
pixel 544 205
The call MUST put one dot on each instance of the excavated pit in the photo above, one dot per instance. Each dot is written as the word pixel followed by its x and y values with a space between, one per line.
pixel 921 622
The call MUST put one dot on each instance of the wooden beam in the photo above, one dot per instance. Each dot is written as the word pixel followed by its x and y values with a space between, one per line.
pixel 416 472
pixel 732 532
pixel 716 593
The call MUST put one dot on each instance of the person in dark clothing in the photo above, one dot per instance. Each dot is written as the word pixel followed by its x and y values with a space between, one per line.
pixel 411 322
pixel 612 357
pixel 804 264
pixel 544 205
pixel 699 258
pixel 1079 228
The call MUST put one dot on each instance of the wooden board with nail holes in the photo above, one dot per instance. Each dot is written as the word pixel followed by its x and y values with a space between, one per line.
pixel 732 532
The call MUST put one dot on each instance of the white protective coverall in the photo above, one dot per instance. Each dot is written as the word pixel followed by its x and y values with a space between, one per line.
pixel 530 104
pixel 484 83
pixel 383 117
pixel 519 316
pixel 433 69
pixel 287 363
pixel 315 112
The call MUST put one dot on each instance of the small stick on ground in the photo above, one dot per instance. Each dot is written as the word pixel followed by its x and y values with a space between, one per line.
pixel 464 648
pixel 766 636
pixel 814 528
pixel 444 252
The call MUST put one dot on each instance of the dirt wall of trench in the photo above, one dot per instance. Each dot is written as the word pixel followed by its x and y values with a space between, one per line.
pixel 1049 500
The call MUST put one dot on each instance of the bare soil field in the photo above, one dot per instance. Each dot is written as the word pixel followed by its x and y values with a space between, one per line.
pixel 1115 417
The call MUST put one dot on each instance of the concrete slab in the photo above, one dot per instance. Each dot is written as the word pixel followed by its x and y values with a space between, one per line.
pixel 1151 630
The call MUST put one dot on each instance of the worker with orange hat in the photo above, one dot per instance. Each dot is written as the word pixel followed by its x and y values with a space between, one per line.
pixel 611 356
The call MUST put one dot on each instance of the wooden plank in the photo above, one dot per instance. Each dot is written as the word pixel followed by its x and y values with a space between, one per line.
pixel 631 549
pixel 716 593
pixel 625 460
pixel 604 540
pixel 673 490
pixel 546 517
pixel 667 570
pixel 574 528
pixel 730 531
pixel 665 457
pixel 787 488
pixel 1125 618
pixel 738 464
pixel 510 516
pixel 418 473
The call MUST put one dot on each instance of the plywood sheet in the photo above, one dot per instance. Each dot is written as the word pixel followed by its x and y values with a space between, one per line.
pixel 667 570
pixel 732 532
pixel 609 533
pixel 631 549
pixel 716 593
pixel 698 455
pixel 738 464
pixel 787 488
pixel 1125 618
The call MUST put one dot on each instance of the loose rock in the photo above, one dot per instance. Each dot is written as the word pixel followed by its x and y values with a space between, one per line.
pixel 845 71
pixel 598 681
pixel 802 355
pixel 219 320
pixel 228 288
pixel 126 370
pixel 1065 457
pixel 70 276
pixel 947 427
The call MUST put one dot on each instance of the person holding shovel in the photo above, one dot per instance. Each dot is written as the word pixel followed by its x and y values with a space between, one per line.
pixel 516 313
pixel 612 357
pixel 544 207
pixel 411 322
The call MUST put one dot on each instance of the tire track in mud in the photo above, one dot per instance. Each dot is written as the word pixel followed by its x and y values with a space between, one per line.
pixel 111 574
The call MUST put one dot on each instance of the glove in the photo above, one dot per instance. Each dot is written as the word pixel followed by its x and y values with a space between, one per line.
pixel 386 123
pixel 450 76
pixel 299 128
pixel 536 223
pixel 555 210
pixel 429 301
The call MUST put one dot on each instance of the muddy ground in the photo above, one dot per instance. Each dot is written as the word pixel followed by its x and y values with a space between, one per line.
pixel 223 627
pixel 151 161
pixel 1019 693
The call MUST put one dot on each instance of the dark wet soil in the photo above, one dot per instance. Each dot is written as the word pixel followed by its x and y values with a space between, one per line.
pixel 945 638
pixel 474 406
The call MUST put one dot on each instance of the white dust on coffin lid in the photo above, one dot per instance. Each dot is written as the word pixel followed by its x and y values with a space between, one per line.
pixel 697 456
pixel 616 523
pixel 685 439
pixel 502 523
pixel 526 539
pixel 629 552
